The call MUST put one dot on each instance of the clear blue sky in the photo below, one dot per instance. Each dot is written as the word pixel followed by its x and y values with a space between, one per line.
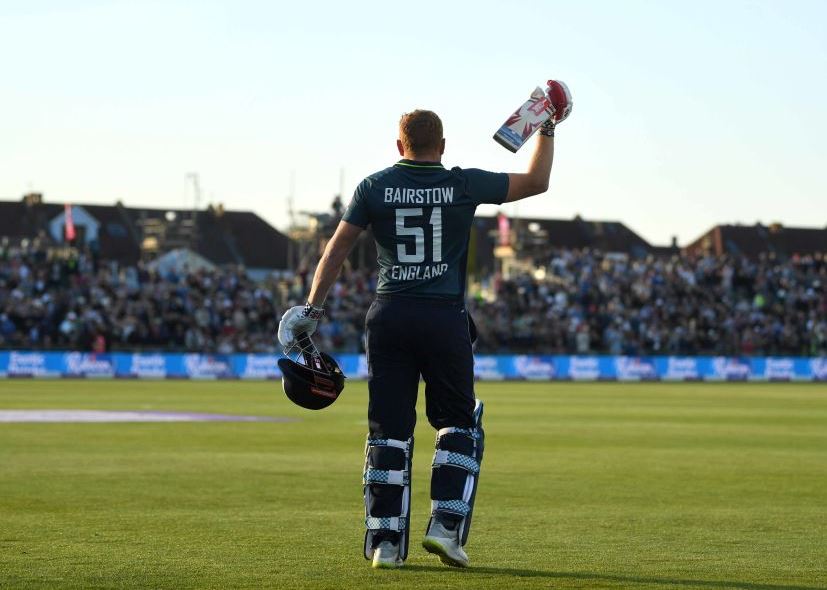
pixel 686 113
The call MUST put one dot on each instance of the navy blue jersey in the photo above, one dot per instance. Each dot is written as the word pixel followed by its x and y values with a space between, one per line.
pixel 421 217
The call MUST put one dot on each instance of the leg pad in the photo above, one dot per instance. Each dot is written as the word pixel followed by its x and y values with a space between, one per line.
pixel 455 472
pixel 387 489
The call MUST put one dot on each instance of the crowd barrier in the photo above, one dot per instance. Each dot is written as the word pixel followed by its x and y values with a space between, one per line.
pixel 486 367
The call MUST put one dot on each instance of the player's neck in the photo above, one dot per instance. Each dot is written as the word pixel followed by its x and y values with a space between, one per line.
pixel 424 157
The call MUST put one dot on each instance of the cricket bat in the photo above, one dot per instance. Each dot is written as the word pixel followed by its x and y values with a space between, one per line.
pixel 522 124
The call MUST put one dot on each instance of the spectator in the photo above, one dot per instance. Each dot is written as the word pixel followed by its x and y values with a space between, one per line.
pixel 586 302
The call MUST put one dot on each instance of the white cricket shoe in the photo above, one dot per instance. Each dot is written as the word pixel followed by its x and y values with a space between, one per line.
pixel 444 543
pixel 386 556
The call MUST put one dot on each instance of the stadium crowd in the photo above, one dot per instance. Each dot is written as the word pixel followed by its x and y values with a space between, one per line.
pixel 72 301
pixel 589 302
pixel 583 302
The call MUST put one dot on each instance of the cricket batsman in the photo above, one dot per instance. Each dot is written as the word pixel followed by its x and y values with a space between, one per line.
pixel 421 215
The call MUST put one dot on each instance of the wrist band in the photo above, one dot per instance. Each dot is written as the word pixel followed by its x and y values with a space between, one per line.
pixel 547 129
pixel 314 313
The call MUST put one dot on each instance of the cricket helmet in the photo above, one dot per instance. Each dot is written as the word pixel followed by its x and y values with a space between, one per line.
pixel 314 380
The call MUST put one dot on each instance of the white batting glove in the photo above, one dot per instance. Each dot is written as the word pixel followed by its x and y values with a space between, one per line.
pixel 296 320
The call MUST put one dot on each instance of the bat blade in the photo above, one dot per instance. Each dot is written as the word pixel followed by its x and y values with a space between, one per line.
pixel 525 121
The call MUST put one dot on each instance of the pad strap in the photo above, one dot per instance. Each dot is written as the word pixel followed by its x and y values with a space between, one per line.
pixel 453 506
pixel 456 460
pixel 374 475
pixel 388 476
pixel 386 523
pixel 470 432
pixel 390 442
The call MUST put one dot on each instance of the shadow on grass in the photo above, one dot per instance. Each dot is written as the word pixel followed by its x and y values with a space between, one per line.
pixel 524 573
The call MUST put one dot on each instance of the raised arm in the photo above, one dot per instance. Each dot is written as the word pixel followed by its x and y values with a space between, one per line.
pixel 535 181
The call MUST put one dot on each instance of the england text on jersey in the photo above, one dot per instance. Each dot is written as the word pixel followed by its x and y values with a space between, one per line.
pixel 420 196
pixel 411 273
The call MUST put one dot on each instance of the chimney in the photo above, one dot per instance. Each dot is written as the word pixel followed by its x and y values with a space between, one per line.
pixel 33 199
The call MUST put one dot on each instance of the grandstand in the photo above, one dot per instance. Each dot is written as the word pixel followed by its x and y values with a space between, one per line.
pixel 128 235
pixel 217 281
pixel 756 240
pixel 530 241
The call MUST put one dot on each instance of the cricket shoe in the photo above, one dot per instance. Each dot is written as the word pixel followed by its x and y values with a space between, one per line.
pixel 386 556
pixel 443 541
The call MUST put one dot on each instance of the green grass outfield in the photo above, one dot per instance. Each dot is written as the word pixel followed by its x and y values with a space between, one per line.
pixel 583 486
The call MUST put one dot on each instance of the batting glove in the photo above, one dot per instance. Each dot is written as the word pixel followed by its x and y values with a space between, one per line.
pixel 296 320
pixel 560 97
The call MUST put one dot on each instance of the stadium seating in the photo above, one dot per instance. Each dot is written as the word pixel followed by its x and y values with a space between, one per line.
pixel 584 303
